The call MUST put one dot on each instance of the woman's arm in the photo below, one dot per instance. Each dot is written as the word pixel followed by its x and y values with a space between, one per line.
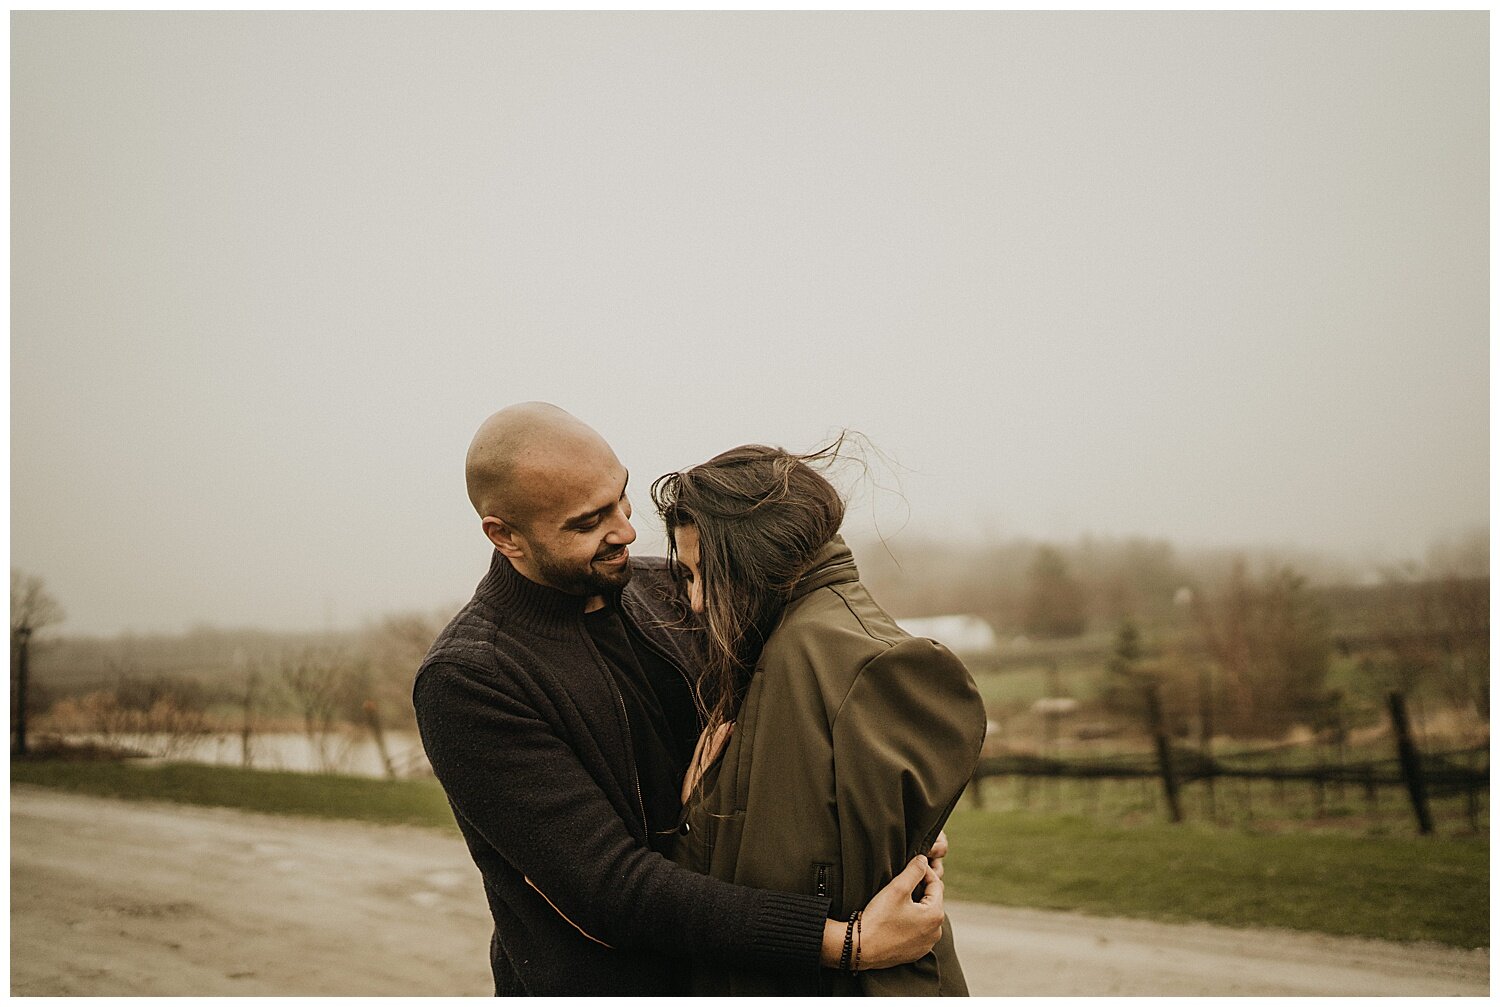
pixel 906 740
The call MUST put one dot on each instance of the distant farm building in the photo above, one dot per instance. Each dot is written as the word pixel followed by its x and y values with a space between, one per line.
pixel 962 634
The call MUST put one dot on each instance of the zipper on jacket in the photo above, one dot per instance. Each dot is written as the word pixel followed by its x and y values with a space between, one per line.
pixel 636 634
pixel 635 770
pixel 614 687
pixel 820 881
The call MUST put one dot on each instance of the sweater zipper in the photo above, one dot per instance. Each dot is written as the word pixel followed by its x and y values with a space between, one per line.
pixel 635 772
pixel 631 629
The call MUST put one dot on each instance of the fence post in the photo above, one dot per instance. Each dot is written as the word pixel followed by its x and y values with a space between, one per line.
pixel 1206 732
pixel 1411 763
pixel 1340 737
pixel 1163 752
pixel 1471 792
pixel 21 642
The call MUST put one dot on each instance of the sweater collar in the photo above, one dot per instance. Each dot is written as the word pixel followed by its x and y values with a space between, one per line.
pixel 832 564
pixel 543 608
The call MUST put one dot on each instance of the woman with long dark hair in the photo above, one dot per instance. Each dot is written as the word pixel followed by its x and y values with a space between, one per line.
pixel 836 744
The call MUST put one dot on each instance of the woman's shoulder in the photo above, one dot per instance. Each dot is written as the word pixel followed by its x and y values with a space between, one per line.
pixel 839 623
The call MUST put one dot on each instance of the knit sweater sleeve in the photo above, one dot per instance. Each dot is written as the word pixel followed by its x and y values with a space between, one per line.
pixel 522 787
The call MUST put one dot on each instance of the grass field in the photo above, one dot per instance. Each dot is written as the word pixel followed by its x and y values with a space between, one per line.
pixel 387 802
pixel 1396 888
pixel 1393 887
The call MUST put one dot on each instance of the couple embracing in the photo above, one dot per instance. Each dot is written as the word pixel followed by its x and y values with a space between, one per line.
pixel 721 773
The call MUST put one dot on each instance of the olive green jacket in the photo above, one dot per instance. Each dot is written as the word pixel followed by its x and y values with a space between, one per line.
pixel 852 746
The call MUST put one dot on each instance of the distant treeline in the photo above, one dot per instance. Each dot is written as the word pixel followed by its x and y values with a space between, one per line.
pixel 1216 602
pixel 1141 579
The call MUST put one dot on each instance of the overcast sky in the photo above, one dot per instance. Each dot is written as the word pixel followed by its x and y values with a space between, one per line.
pixel 1220 278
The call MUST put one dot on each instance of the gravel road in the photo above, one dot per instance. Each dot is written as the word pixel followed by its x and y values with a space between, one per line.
pixel 115 897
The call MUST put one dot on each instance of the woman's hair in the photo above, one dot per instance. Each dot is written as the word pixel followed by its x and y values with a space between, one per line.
pixel 762 514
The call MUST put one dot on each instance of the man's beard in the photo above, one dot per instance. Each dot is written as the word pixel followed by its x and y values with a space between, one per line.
pixel 586 581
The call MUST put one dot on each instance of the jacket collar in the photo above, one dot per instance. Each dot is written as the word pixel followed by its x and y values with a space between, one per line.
pixel 832 564
pixel 545 609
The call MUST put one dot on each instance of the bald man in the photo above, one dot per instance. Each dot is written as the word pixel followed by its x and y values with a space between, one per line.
pixel 557 711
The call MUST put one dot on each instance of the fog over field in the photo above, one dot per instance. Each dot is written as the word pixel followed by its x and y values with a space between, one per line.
pixel 1220 279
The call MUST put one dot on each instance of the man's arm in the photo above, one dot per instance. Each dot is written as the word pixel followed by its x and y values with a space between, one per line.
pixel 526 792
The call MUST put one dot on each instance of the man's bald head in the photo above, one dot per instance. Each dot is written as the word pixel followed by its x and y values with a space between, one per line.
pixel 518 450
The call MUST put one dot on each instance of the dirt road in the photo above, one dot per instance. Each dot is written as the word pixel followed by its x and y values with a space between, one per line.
pixel 110 897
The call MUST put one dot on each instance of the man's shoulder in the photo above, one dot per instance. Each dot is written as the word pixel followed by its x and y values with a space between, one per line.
pixel 477 637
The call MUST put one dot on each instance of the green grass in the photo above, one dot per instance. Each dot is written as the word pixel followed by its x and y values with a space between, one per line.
pixel 1395 888
pixel 389 802
pixel 1377 886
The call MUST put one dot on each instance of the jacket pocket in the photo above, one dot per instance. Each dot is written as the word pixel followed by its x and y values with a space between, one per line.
pixel 821 879
pixel 822 885
pixel 824 880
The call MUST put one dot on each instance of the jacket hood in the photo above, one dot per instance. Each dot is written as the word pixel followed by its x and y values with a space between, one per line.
pixel 832 564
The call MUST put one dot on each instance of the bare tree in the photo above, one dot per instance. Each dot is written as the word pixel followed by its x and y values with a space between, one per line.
pixel 1438 631
pixel 1270 640
pixel 1055 606
pixel 32 610
pixel 319 681
pixel 388 654
pixel 393 649
pixel 247 698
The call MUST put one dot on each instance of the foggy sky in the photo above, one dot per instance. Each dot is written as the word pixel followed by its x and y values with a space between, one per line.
pixel 1220 278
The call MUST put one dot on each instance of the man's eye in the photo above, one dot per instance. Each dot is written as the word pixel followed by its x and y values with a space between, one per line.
pixel 587 525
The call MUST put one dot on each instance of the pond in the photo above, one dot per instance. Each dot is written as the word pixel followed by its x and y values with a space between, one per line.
pixel 353 754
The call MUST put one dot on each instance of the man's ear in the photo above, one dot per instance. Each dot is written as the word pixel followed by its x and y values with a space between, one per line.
pixel 505 538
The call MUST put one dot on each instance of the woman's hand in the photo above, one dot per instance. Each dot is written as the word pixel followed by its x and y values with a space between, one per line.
pixel 710 747
pixel 894 930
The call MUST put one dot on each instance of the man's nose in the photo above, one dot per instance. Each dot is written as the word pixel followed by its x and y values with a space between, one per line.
pixel 623 533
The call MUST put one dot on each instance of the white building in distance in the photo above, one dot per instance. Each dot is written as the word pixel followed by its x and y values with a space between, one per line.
pixel 962 634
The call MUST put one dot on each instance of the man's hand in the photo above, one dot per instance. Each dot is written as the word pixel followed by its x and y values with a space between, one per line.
pixel 894 930
pixel 937 853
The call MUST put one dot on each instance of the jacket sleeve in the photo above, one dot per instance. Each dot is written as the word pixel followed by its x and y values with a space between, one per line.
pixel 906 740
pixel 525 790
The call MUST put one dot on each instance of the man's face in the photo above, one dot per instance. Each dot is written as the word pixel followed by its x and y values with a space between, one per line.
pixel 578 535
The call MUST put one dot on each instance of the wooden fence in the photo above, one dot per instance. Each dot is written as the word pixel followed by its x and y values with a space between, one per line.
pixel 1419 775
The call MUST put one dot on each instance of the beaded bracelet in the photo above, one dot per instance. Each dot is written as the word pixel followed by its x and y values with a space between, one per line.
pixel 848 943
pixel 859 937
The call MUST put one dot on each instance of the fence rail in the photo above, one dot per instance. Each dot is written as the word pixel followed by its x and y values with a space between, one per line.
pixel 1440 770
pixel 1463 771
